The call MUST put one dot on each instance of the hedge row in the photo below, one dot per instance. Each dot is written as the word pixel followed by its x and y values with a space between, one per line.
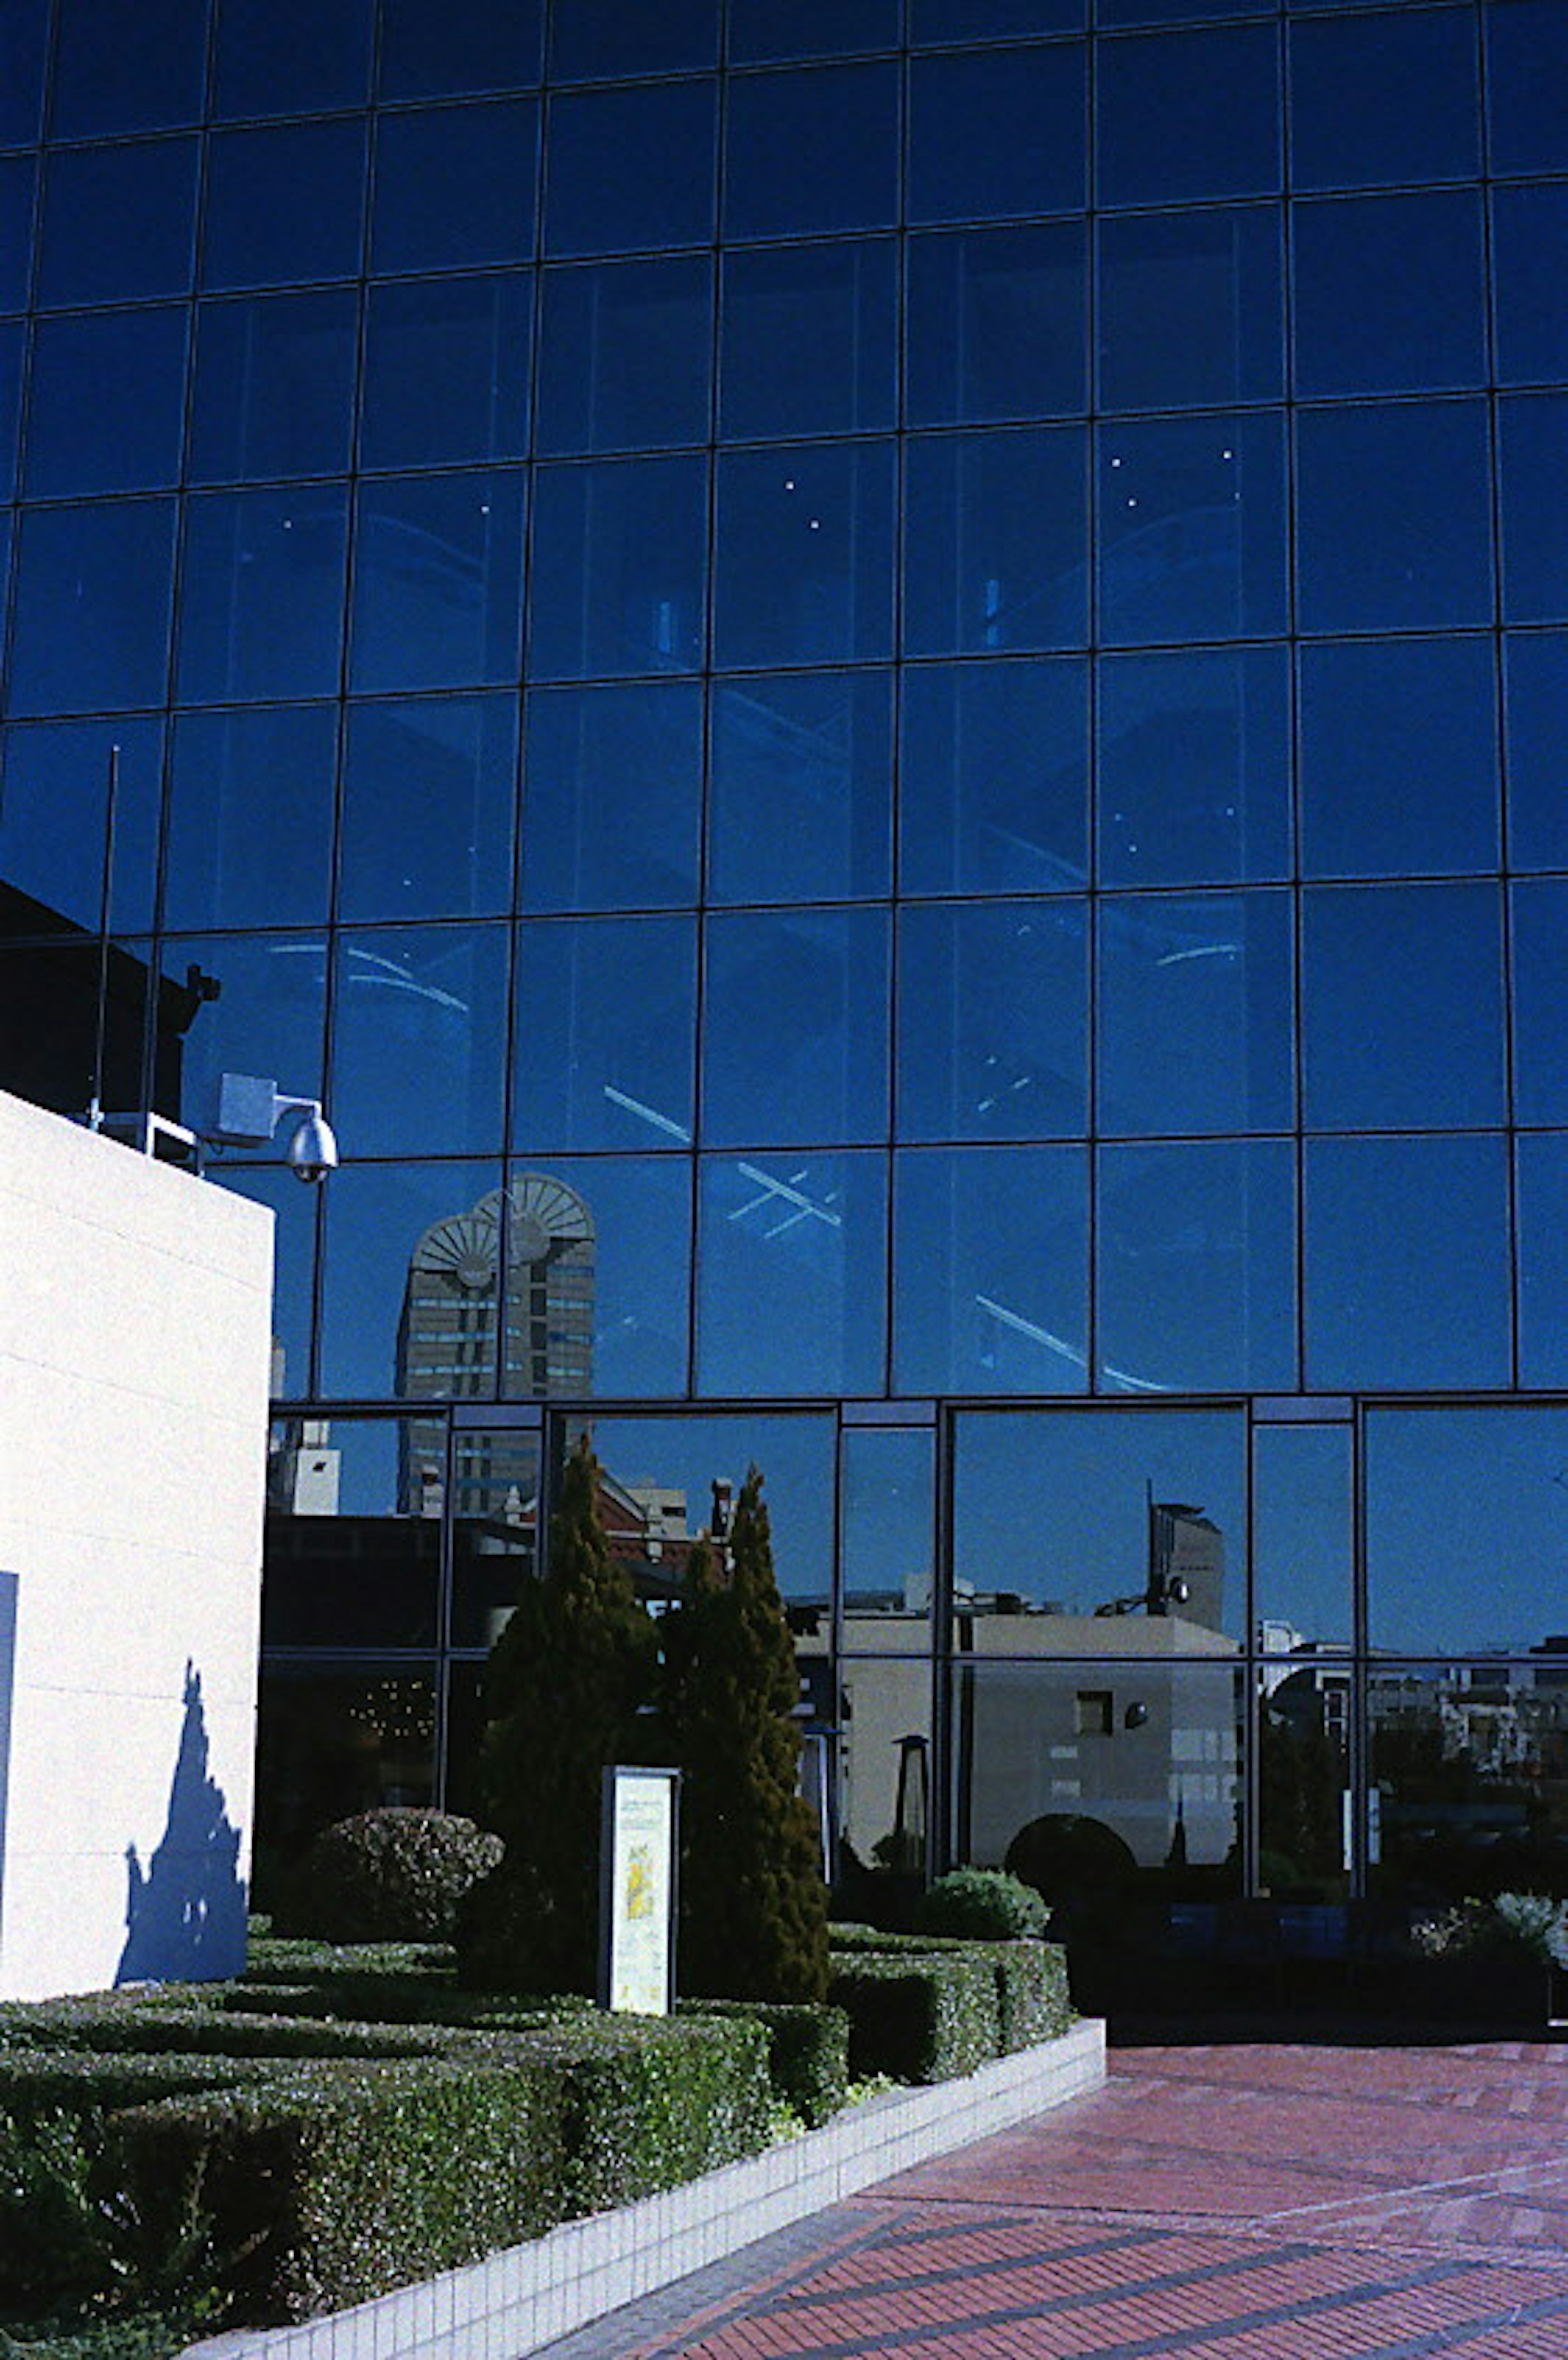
pixel 924 2009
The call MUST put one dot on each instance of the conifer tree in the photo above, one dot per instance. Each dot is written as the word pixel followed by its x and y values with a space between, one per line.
pixel 753 1905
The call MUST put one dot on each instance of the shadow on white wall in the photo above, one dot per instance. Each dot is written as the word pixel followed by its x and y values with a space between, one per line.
pixel 185 1912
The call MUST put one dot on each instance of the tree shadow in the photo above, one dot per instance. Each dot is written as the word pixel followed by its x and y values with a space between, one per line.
pixel 185 1913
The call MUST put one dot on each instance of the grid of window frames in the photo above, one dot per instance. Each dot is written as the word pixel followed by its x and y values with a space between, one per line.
pixel 877 688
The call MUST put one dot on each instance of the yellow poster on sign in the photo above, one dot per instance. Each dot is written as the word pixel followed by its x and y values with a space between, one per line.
pixel 637 1886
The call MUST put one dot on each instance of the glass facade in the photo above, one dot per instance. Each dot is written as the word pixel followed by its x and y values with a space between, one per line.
pixel 878 691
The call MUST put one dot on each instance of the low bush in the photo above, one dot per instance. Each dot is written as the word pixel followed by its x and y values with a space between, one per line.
pixel 393 1875
pixel 808 2053
pixel 924 2018
pixel 1521 1926
pixel 983 1905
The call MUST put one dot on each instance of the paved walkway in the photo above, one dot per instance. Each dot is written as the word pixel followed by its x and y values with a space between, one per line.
pixel 1249 2203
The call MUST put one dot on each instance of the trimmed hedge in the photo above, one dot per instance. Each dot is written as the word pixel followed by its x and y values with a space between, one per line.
pixel 808 2051
pixel 922 2019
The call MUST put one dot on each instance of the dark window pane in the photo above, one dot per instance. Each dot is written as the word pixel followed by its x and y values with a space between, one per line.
pixel 1540 1045
pixel 1402 1015
pixel 454 186
pixel 261 595
pixel 796 1029
pixel 437 582
pixel 804 572
pixel 1301 1537
pixel 1527 60
pixel 428 790
pixel 593 37
pixel 109 76
pixel 1534 503
pixel 612 182
pixel 92 591
pixel 992 1017
pixel 1398 758
pixel 432 49
pixel 934 22
pixel 612 787
pixel 816 150
pixel 446 371
pixel 1543 1269
pixel 274 387
pixel 627 1282
pixel 809 340
pixel 377 1220
pixel 1195 767
pixel 10 403
pixel 24 44
pixel 799 805
pixel 1426 1472
pixel 1394 530
pixel 1192 531
pixel 994 542
pixel 266 1017
pixel 1407 1261
pixel 790 1258
pixel 1195 1013
pixel 1536 721
pixel 250 817
pixel 108 403
pixel 604 1033
pixel 1390 294
pixel 1385 98
pixel 992 794
pixel 990 1271
pixel 347 1561
pixel 624 357
pixel 52 814
pixel 761 31
pixel 118 223
pixel 335 1740
pixel 618 569
pixel 1189 115
pixel 996 132
pixel 290 57
pixel 17 174
pixel 996 324
pixel 419 1038
pixel 284 204
pixel 1529 244
pixel 1190 308
pixel 1197 1267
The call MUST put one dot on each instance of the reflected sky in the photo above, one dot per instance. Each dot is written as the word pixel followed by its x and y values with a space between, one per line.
pixel 1466 1528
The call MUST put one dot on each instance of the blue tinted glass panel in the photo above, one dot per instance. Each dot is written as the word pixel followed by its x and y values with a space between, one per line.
pixel 293 1267
pixel 1540 1045
pixel 1190 308
pixel 284 204
pixel 809 340
pixel 108 77
pixel 799 806
pixel 377 1218
pixel 261 601
pixel 1192 528
pixel 796 1029
pixel 604 1033
pixel 995 536
pixel 1393 518
pixel 934 22
pixel 17 174
pixel 1189 115
pixel 24 44
pixel 1197 1267
pixel 618 569
pixel 811 151
pixel 625 355
pixel 428 791
pixel 990 1271
pixel 992 1017
pixel 10 396
pixel 1175 12
pixel 610 180
pixel 611 797
pixel 1407 1261
pixel 1398 758
pixel 92 591
pixel 595 38
pixel 1534 502
pixel 1543 1268
pixel 992 782
pixel 1302 1524
pixel 419 1038
pixel 1426 1470
pixel 1536 723
pixel 1402 1008
pixel 118 223
pixel 791 1256
pixel 804 572
pixel 761 31
pixel 274 387
pixel 887 1530
pixel 84 437
pixel 1384 98
pixel 290 57
pixel 437 582
pixel 266 1016
pixel 1390 294
pixel 446 371
pixel 1529 253
pixel 249 838
pixel 454 186
pixel 996 324
pixel 52 812
pixel 996 132
pixel 436 49
pixel 1195 767
pixel 1195 1013
pixel 1527 61
pixel 627 1282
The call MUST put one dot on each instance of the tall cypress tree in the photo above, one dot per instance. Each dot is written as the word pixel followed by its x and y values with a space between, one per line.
pixel 753 1905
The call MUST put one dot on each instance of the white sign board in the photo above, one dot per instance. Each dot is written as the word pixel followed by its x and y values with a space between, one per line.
pixel 637 1890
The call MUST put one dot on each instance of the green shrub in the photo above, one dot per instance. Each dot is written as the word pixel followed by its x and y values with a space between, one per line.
pixel 1033 2001
pixel 919 2019
pixel 1511 1925
pixel 985 1904
pixel 808 2053
pixel 393 1875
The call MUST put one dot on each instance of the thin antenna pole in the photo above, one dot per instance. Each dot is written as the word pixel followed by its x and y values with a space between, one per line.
pixel 111 803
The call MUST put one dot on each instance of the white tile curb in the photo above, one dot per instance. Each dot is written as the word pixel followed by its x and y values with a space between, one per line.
pixel 508 2305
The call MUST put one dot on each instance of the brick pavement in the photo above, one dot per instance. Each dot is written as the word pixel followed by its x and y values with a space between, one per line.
pixel 1238 2202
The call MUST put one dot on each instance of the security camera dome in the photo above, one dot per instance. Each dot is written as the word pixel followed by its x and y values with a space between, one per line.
pixel 313 1151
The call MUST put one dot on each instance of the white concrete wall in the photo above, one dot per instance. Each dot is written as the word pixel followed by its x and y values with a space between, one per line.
pixel 135 1334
